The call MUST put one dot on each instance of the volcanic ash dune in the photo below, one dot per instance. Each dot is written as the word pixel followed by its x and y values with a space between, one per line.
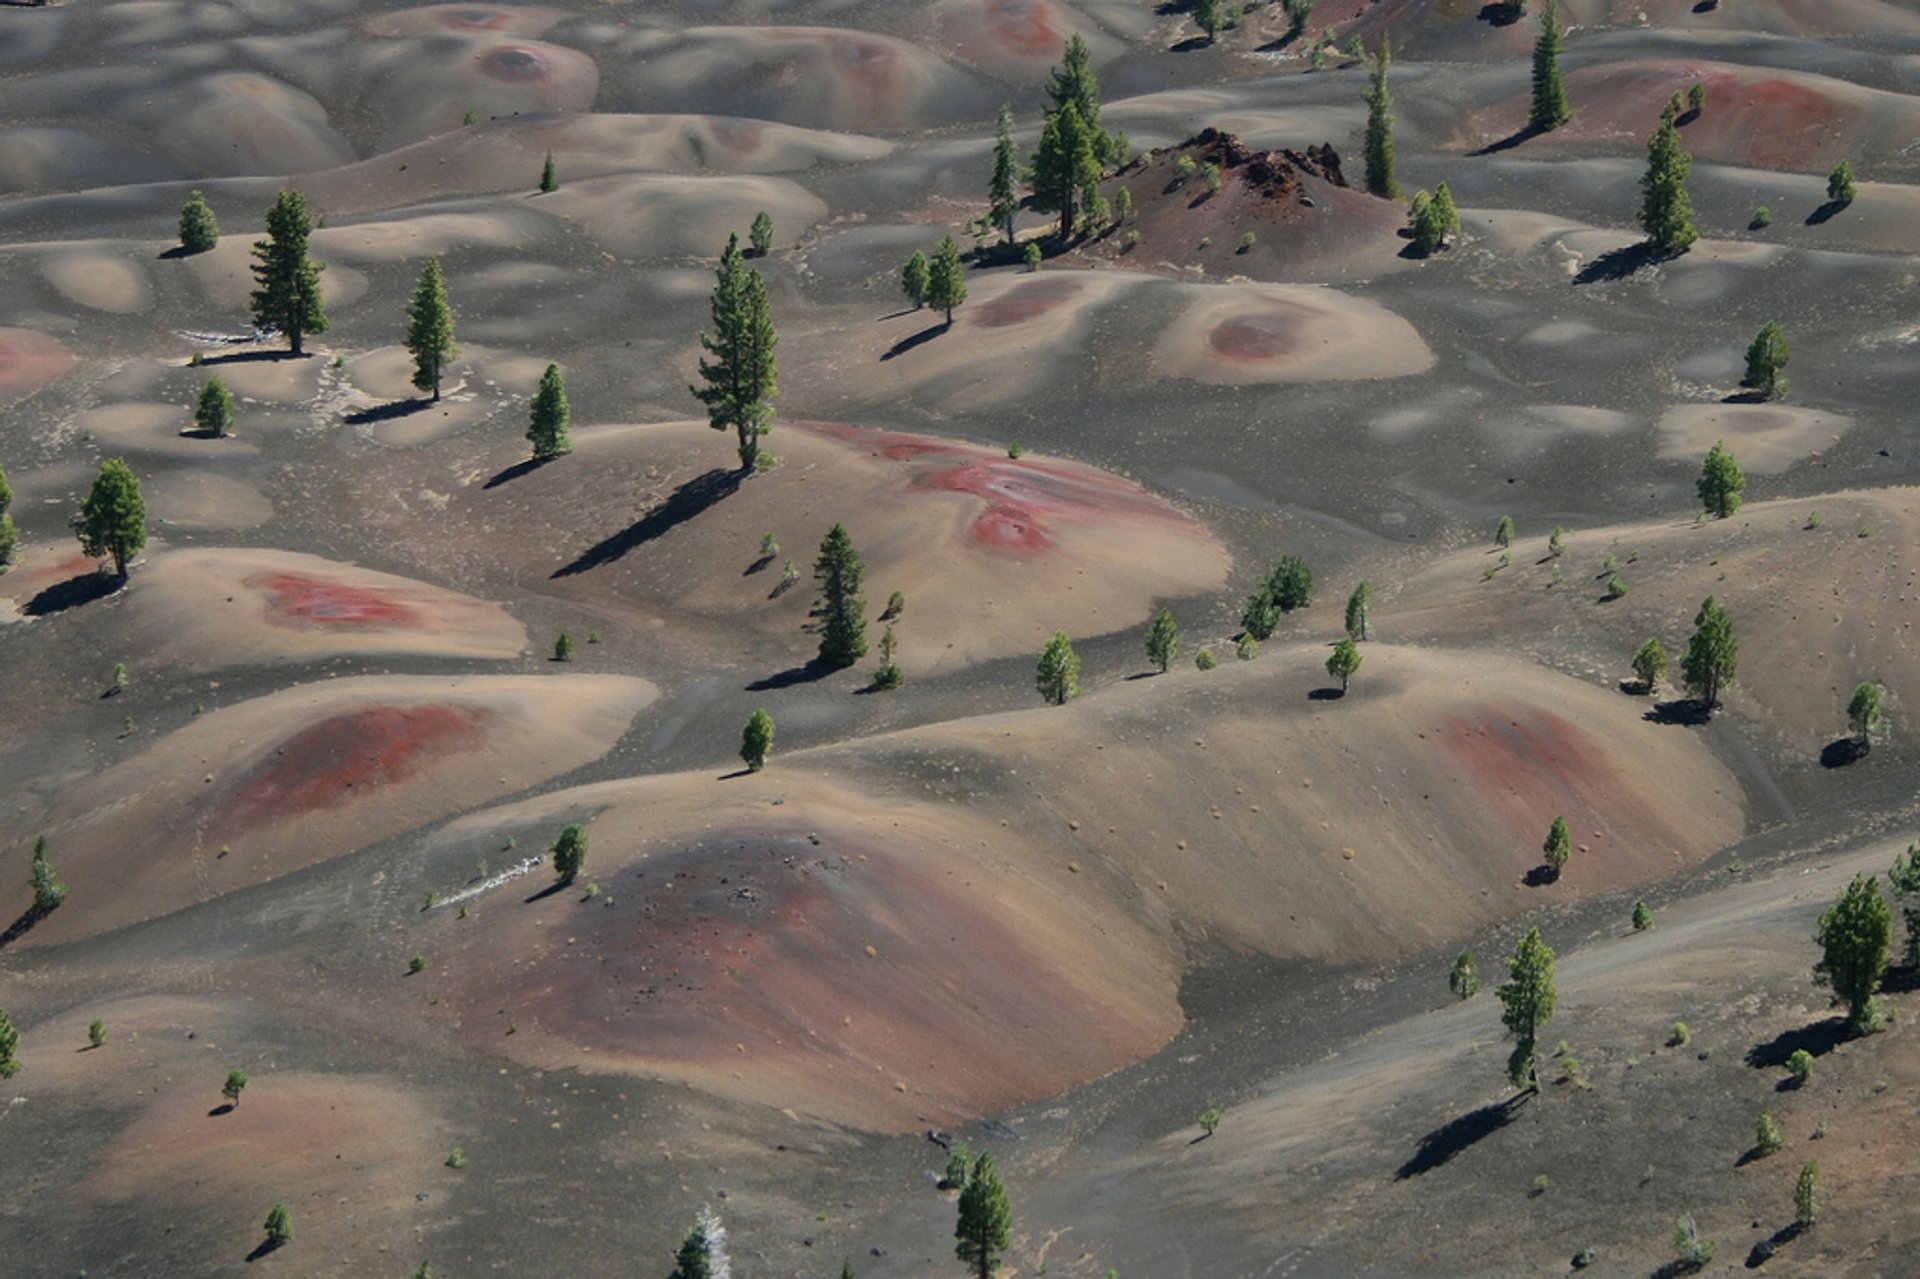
pixel 29 361
pixel 1240 334
pixel 232 607
pixel 662 215
pixel 259 790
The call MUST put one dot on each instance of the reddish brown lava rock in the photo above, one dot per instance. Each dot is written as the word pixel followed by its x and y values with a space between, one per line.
pixel 365 748
pixel 1028 28
pixel 299 599
pixel 1026 301
pixel 1270 335
pixel 1274 175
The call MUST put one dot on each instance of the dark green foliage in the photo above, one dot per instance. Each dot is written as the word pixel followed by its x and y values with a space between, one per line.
pixel 1697 97
pixel 913 279
pixel 1378 148
pixel 946 278
pixel 889 676
pixel 1840 184
pixel 288 297
pixel 1206 16
pixel 1713 654
pixel 1722 484
pixel 569 852
pixel 547 181
pixel 1550 109
pixel 563 648
pixel 1806 1195
pixel 1058 675
pixel 1863 712
pixel 1073 83
pixel 213 413
pixel 1290 584
pixel 9 535
pixel 1800 1066
pixel 1260 614
pixel 1163 639
pixel 1642 917
pixel 113 519
pixel 1529 999
pixel 417 964
pixel 756 740
pixel 1768 1139
pixel 742 377
pixel 279 1226
pixel 1066 166
pixel 1003 187
pixel 550 416
pixel 199 229
pixel 48 891
pixel 1444 208
pixel 760 234
pixel 1030 256
pixel 1854 936
pixel 1904 880
pixel 1427 224
pixel 1360 612
pixel 1344 661
pixel 959 1167
pixel 841 610
pixel 1503 535
pixel 430 328
pixel 1767 354
pixel 1693 1251
pixel 235 1085
pixel 9 1047
pixel 1299 13
pixel 1666 211
pixel 96 1032
pixel 1558 847
pixel 1464 979
pixel 985 1218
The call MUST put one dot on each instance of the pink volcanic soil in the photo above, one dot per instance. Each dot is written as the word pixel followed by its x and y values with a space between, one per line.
pixel 299 599
pixel 29 361
pixel 1026 301
pixel 1028 502
pixel 351 753
pixel 1269 335
pixel 1026 28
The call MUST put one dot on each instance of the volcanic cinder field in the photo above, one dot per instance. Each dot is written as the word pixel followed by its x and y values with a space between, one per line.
pixel 301 771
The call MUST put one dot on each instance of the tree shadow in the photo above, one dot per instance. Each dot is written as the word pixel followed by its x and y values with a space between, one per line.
pixel 1190 45
pixel 1618 264
pixel 388 412
pixel 518 469
pixel 21 926
pixel 921 338
pixel 685 502
pixel 557 886
pixel 1901 979
pixel 757 566
pixel 254 357
pixel 1326 694
pixel 1498 14
pixel 266 1246
pixel 75 591
pixel 1455 1136
pixel 1818 1039
pixel 1706 6
pixel 1685 711
pixel 1676 1269
pixel 1540 877
pixel 202 433
pixel 1526 133
pixel 1763 1251
pixel 1274 46
pixel 1635 688
pixel 224 1108
pixel 738 772
pixel 1746 397
pixel 781 588
pixel 805 673
pixel 1842 751
pixel 1825 212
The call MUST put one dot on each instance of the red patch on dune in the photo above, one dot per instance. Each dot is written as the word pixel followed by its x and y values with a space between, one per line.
pixel 870 66
pixel 742 137
pixel 1267 335
pixel 1788 121
pixel 1025 27
pixel 514 64
pixel 303 600
pixel 356 750
pixel 1027 500
pixel 29 360
pixel 1526 763
pixel 1025 301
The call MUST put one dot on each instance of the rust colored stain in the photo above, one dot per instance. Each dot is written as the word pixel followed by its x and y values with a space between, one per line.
pixel 1787 121
pixel 299 599
pixel 29 360
pixel 1024 302
pixel 1266 335
pixel 1026 27
pixel 1028 500
pixel 352 753
pixel 742 137
pixel 871 67
pixel 514 64
pixel 1526 762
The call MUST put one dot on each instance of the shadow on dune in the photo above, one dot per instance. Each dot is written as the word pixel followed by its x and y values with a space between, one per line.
pixel 1619 264
pixel 1825 211
pixel 518 469
pixel 1526 134
pixel 921 338
pixel 1499 14
pixel 1818 1039
pixel 1842 751
pixel 806 673
pixel 1455 1136
pixel 1689 711
pixel 255 357
pixel 21 926
pixel 685 502
pixel 75 591
pixel 387 412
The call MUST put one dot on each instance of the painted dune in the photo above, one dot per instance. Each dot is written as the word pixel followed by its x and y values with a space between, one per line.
pixel 29 361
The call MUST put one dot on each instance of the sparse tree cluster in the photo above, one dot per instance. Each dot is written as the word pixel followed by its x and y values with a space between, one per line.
pixel 1431 219
pixel 1074 150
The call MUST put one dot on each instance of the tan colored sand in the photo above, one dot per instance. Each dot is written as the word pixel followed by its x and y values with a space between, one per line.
pixel 195 499
pixel 1767 438
pixel 1248 334
pixel 235 122
pixel 420 86
pixel 413 239
pixel 652 215
pixel 226 281
pixel 257 790
pixel 159 430
pixel 99 281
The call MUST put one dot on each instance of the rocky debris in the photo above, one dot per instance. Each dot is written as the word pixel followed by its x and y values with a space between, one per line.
pixel 1273 175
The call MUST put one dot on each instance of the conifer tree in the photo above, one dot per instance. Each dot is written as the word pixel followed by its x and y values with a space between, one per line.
pixel 1504 534
pixel 288 297
pixel 213 412
pixel 1558 847
pixel 1863 712
pixel 1379 140
pixel 1464 979
pixel 1344 661
pixel 913 279
pixel 1666 211
pixel 279 1227
pixel 1767 354
pixel 1003 188
pixel 9 535
pixel 1642 917
pixel 1722 483
pixel 760 234
pixel 1065 166
pixel 48 891
pixel 1163 639
pixel 430 328
pixel 986 1215
pixel 113 519
pixel 1073 82
pixel 9 1047
pixel 946 278
pixel 1840 189
pixel 1806 1195
pixel 742 377
pixel 548 183
pixel 1360 612
pixel 1649 663
pixel 199 229
pixel 569 852
pixel 1529 998
pixel 1550 107
pixel 1206 16
pixel 756 740
pixel 841 610
pixel 1713 654
pixel 1058 675
pixel 1444 208
pixel 1854 935
pixel 550 416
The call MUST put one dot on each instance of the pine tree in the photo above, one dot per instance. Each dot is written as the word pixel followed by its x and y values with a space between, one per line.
pixel 1206 16
pixel 986 1217
pixel 1722 483
pixel 430 328
pixel 548 183
pixel 760 234
pixel 742 378
pixel 199 229
pixel 703 1251
pixel 1550 106
pixel 235 1085
pixel 1073 82
pixel 1379 140
pixel 946 278
pixel 756 740
pixel 1426 223
pixel 1806 1195
pixel 1066 167
pixel 9 1047
pixel 213 413
pixel 1163 640
pixel 1003 194
pixel 113 519
pixel 1444 207
pixel 9 535
pixel 1464 979
pixel 1058 675
pixel 1344 661
pixel 1558 847
pixel 1642 917
pixel 1529 998
pixel 1854 935
pixel 1666 211
pixel 1863 712
pixel 913 279
pixel 48 891
pixel 1840 189
pixel 1713 654
pixel 1504 534
pixel 569 852
pixel 842 610
pixel 279 1227
pixel 288 297
pixel 1360 612
pixel 550 416
pixel 1766 355
pixel 1649 663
